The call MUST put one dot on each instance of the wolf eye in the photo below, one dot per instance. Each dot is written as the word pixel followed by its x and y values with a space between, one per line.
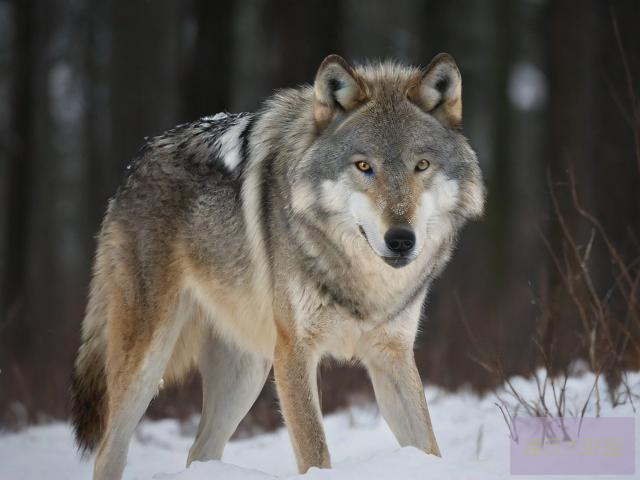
pixel 423 165
pixel 364 167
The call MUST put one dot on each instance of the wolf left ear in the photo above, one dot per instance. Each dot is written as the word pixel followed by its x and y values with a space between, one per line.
pixel 439 91
pixel 337 88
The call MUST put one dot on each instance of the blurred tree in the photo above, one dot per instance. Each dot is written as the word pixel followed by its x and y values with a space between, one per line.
pixel 280 43
pixel 378 31
pixel 545 89
pixel 208 80
pixel 8 143
pixel 56 240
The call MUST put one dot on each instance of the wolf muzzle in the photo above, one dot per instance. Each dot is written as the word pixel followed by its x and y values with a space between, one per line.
pixel 400 241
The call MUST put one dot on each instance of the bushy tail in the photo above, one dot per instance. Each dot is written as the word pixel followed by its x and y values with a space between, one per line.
pixel 89 402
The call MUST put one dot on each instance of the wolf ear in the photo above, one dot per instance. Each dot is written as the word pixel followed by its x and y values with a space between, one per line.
pixel 337 88
pixel 439 91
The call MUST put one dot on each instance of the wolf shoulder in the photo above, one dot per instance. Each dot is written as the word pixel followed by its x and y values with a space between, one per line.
pixel 186 179
pixel 213 148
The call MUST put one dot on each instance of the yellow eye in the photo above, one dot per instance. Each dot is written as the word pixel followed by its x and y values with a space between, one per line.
pixel 423 165
pixel 363 167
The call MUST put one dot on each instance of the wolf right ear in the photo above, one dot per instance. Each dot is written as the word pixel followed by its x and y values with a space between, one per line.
pixel 337 88
pixel 439 91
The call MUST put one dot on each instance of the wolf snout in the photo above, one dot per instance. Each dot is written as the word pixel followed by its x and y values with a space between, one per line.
pixel 400 240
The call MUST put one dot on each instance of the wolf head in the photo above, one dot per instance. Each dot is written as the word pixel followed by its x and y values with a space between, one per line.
pixel 389 163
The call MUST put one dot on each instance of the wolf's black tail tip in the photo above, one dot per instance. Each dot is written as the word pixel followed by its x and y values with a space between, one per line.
pixel 89 404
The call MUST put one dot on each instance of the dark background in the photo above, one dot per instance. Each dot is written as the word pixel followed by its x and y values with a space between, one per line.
pixel 550 104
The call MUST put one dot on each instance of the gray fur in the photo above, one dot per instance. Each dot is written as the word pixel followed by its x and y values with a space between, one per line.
pixel 263 222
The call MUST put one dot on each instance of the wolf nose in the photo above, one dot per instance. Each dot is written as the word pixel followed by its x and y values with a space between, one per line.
pixel 400 239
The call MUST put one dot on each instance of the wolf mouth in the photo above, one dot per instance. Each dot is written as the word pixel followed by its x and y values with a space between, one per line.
pixel 397 261
pixel 363 233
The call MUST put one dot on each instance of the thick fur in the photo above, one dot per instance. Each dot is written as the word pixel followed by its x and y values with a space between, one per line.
pixel 239 241
pixel 89 397
pixel 89 383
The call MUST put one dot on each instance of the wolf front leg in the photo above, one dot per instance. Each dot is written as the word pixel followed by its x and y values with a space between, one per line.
pixel 295 372
pixel 400 394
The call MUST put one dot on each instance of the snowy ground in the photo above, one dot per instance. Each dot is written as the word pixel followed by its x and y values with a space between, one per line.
pixel 471 432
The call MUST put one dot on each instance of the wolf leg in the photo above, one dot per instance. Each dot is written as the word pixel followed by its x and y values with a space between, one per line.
pixel 136 361
pixel 296 379
pixel 400 394
pixel 231 382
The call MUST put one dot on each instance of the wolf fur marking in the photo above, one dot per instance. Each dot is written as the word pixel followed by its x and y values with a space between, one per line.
pixel 311 228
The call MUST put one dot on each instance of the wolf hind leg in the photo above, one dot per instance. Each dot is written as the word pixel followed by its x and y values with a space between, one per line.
pixel 231 381
pixel 135 366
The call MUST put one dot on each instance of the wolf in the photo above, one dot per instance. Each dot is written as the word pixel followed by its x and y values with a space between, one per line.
pixel 239 242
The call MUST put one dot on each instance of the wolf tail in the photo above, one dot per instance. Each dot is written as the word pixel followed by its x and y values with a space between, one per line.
pixel 89 403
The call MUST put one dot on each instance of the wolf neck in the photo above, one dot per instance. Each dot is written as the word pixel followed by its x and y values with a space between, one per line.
pixel 285 127
pixel 281 133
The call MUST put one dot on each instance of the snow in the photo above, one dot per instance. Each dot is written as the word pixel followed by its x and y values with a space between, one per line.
pixel 471 431
pixel 217 116
pixel 527 87
pixel 66 96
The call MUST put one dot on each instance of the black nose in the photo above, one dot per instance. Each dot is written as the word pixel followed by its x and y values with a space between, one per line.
pixel 400 239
